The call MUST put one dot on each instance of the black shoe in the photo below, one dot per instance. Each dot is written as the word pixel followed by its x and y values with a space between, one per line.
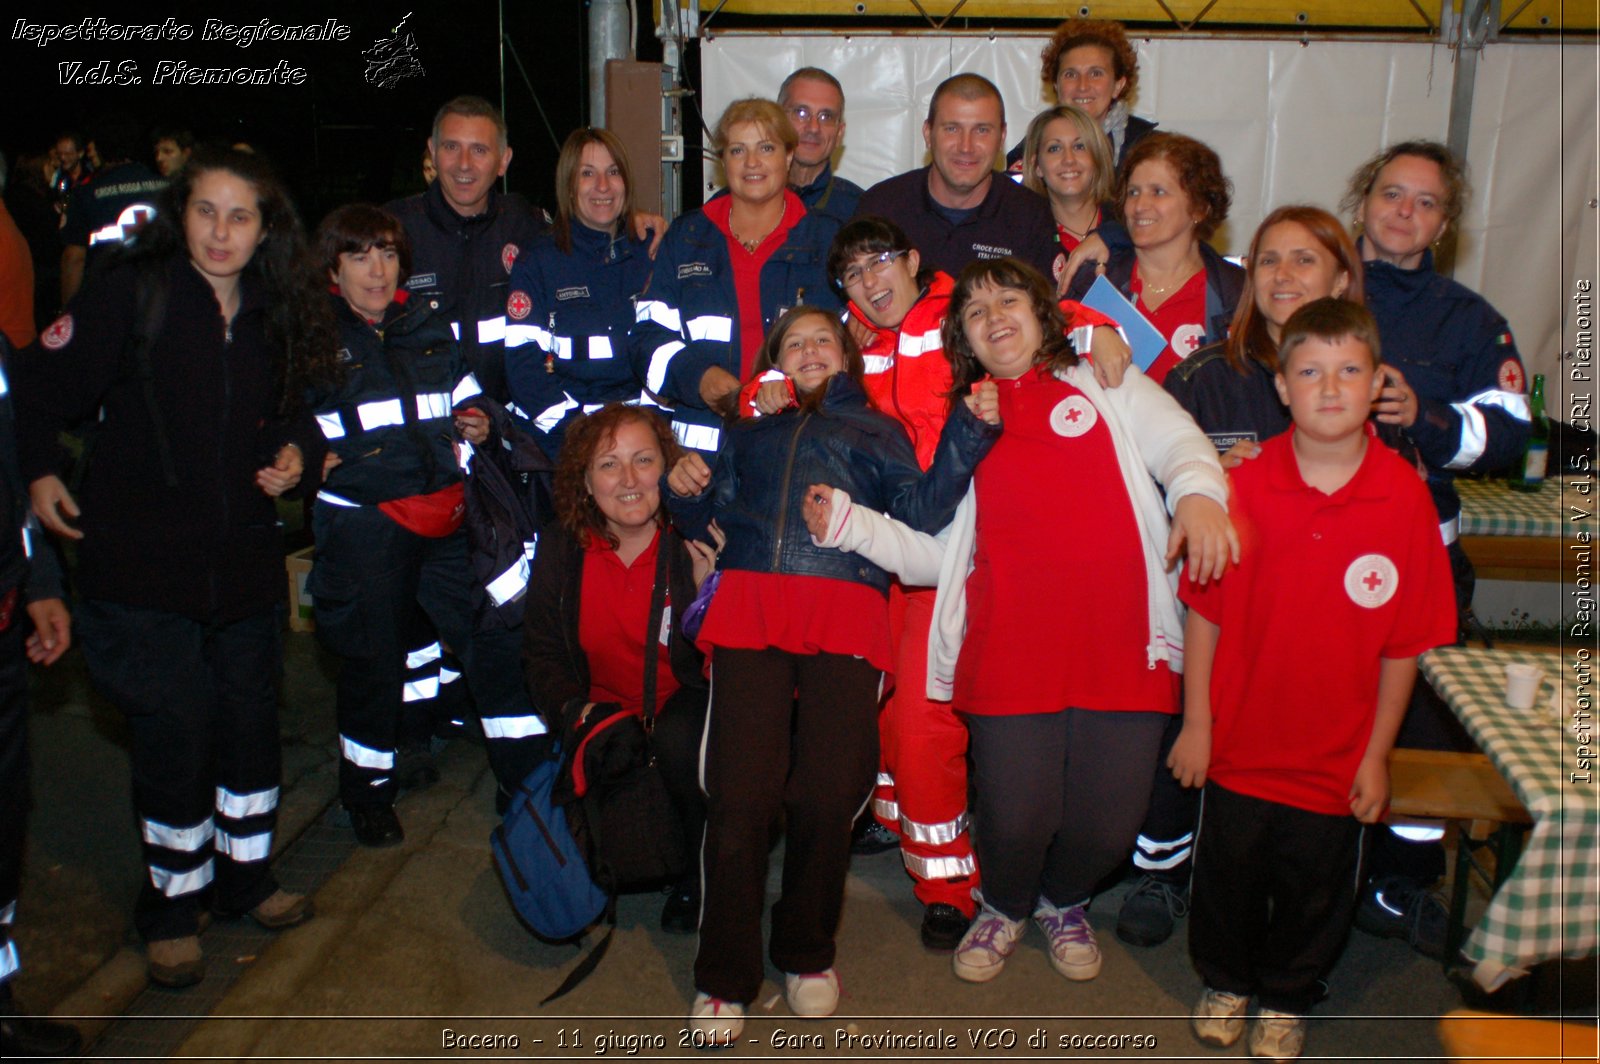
pixel 1400 907
pixel 943 927
pixel 22 1036
pixel 414 769
pixel 870 837
pixel 376 825
pixel 1150 909
pixel 681 914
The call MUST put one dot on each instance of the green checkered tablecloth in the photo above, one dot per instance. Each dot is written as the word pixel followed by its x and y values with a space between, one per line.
pixel 1492 508
pixel 1550 907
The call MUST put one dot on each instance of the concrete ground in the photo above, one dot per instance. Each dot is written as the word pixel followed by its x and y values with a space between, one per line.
pixel 414 951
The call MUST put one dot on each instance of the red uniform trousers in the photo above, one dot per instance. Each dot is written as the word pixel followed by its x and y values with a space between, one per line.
pixel 922 774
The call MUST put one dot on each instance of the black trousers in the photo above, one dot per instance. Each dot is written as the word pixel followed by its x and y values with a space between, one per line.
pixel 1165 844
pixel 792 736
pixel 13 780
pixel 202 705
pixel 1274 895
pixel 1058 799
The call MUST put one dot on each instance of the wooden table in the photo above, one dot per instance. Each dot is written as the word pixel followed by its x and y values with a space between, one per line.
pixel 1529 535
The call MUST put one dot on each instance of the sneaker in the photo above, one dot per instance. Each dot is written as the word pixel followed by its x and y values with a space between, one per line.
pixel 1400 907
pixel 175 962
pixel 1073 951
pixel 715 1023
pixel 812 994
pixel 871 837
pixel 1149 910
pixel 1279 1036
pixel 1218 1017
pixel 983 950
pixel 943 926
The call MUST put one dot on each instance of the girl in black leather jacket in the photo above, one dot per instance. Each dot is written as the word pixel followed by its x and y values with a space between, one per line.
pixel 799 640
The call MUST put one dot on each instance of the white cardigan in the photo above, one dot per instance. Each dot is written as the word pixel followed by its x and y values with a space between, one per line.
pixel 1153 437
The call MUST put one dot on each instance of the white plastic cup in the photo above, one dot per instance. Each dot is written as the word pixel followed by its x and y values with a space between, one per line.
pixel 1522 685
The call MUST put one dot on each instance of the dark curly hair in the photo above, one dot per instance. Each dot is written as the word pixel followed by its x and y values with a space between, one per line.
pixel 1055 347
pixel 300 327
pixel 1080 31
pixel 1452 170
pixel 576 509
pixel 1199 175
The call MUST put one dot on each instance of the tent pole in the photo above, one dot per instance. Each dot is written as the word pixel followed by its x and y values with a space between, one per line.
pixel 1476 27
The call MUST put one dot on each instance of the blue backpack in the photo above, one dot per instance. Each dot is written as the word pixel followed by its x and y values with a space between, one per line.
pixel 545 873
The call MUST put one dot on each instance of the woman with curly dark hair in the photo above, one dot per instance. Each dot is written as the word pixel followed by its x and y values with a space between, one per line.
pixel 1172 198
pixel 196 349
pixel 1090 64
pixel 589 603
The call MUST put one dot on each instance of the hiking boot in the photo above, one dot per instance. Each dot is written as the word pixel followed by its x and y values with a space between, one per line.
pixel 376 825
pixel 1073 951
pixel 27 1036
pixel 1149 910
pixel 983 950
pixel 1218 1017
pixel 414 769
pixel 175 962
pixel 1400 907
pixel 813 994
pixel 282 909
pixel 1279 1036
pixel 943 925
pixel 871 837
pixel 715 1023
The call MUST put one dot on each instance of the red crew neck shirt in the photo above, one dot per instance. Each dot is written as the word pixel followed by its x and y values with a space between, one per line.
pixel 613 621
pixel 1181 319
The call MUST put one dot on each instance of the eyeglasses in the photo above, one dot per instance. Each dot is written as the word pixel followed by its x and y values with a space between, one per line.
pixel 825 119
pixel 878 266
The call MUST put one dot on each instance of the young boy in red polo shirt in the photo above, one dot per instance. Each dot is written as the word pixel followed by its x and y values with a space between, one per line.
pixel 1299 664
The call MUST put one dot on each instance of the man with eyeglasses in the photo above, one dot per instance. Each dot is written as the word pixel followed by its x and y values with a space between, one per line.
pixel 814 101
pixel 954 210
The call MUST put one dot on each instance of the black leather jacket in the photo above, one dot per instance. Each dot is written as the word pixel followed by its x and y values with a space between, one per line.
pixel 767 463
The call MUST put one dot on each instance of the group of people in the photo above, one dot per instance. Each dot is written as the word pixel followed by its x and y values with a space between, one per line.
pixel 772 428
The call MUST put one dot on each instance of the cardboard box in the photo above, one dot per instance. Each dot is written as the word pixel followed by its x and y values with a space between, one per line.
pixel 298 566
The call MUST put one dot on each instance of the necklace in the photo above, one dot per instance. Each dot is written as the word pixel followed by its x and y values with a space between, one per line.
pixel 749 245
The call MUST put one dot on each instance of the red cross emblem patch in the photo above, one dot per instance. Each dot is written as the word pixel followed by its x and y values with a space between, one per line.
pixel 1511 377
pixel 59 334
pixel 508 256
pixel 518 306
pixel 1371 580
pixel 1073 416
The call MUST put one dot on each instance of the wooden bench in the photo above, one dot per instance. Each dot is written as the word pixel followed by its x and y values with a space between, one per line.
pixel 1465 789
pixel 1469 1035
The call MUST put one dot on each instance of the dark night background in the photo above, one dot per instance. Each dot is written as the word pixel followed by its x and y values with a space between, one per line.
pixel 336 138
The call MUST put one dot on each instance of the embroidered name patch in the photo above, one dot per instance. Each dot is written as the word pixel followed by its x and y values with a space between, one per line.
pixel 1371 581
pixel 422 280
pixel 577 291
pixel 693 269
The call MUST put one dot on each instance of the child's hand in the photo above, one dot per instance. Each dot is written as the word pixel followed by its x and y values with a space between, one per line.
pixel 984 401
pixel 817 509
pixel 1240 453
pixel 690 476
pixel 1369 795
pixel 472 425
pixel 1190 756
pixel 1111 356
pixel 1203 526
pixel 774 397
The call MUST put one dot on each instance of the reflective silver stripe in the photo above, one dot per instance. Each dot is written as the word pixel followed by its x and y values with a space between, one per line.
pixel 885 779
pixel 510 584
pixel 366 756
pixel 710 327
pixel 5 385
pixel 560 346
pixel 1082 338
pixel 186 839
pixel 939 867
pixel 1450 530
pixel 432 405
pixel 644 399
pixel 886 809
pixel 518 334
pixel 464 453
pixel 455 329
pixel 876 364
pixel 696 437
pixel 915 344
pixel 448 675
pixel 173 884
pixel 336 500
pixel 492 329
pixel 939 834
pixel 8 915
pixel 377 414
pixel 8 960
pixel 1474 436
pixel 551 416
pixel 416 659
pixel 541 336
pixel 245 847
pixel 1418 830
pixel 661 313
pixel 415 691
pixel 1150 864
pixel 332 425
pixel 599 347
pixel 465 389
pixel 656 376
pixel 1145 844
pixel 237 806
pixel 513 727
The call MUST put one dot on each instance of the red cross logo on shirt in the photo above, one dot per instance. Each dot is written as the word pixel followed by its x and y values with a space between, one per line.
pixel 1372 580
pixel 1073 415
pixel 518 306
